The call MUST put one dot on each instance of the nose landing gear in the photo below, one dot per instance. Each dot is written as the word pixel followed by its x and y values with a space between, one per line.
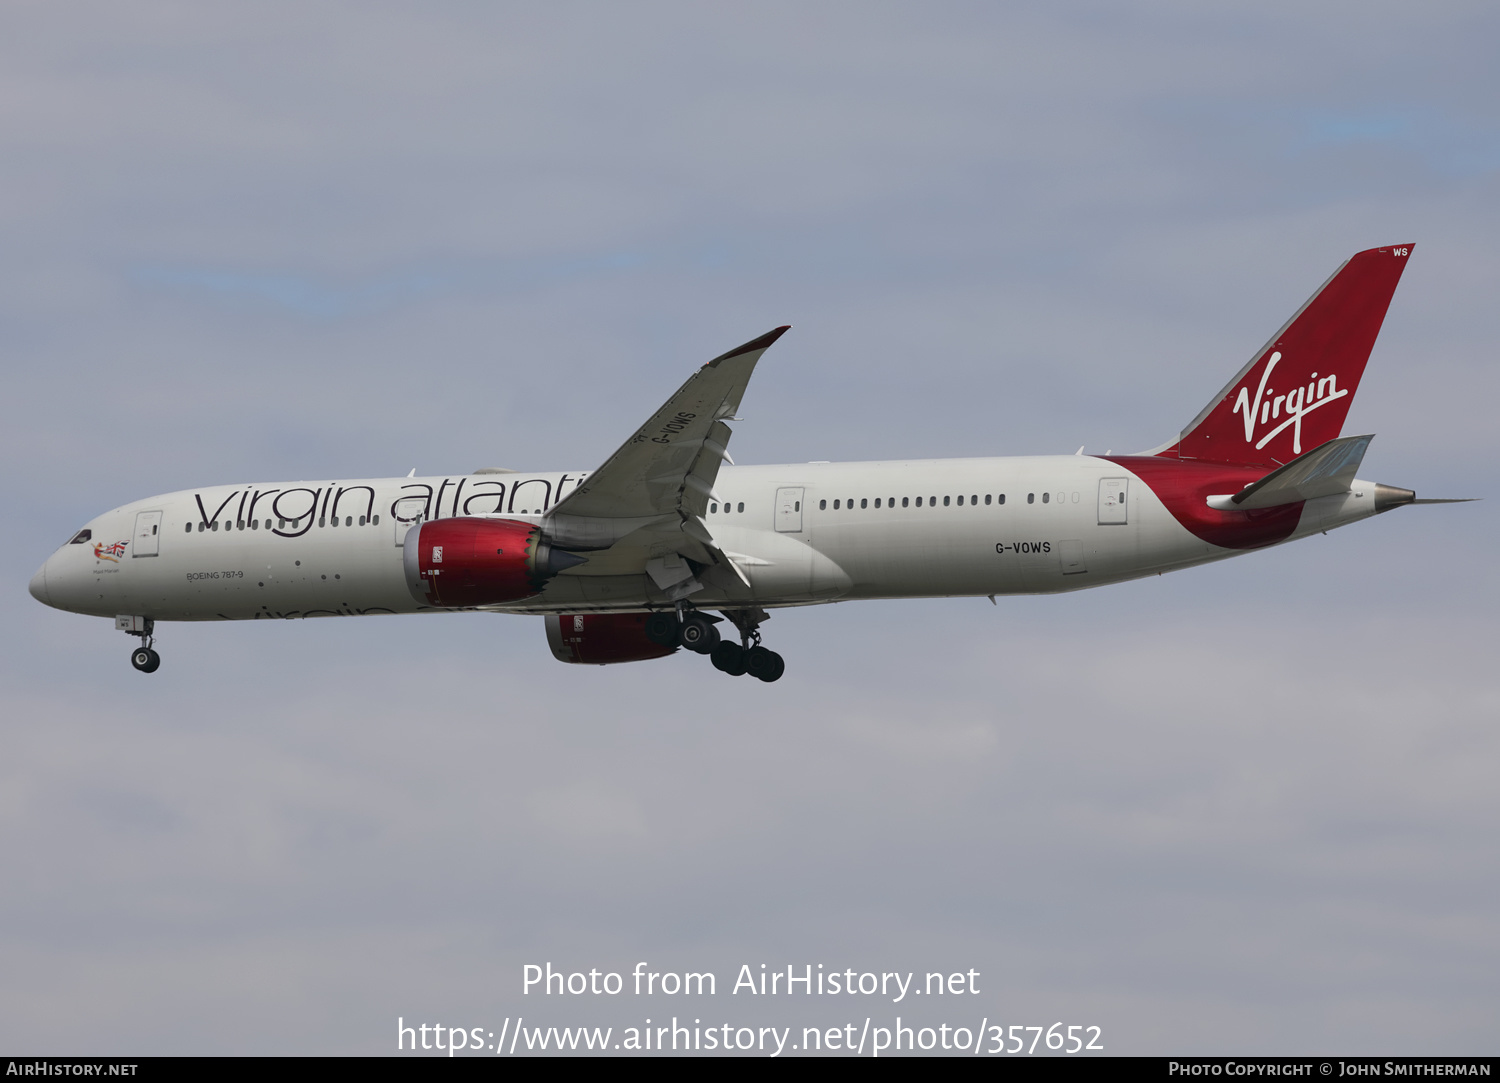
pixel 143 657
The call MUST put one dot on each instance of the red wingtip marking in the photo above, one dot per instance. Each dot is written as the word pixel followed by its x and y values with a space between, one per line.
pixel 755 343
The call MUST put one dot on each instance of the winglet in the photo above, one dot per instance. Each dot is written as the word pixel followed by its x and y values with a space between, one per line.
pixel 754 344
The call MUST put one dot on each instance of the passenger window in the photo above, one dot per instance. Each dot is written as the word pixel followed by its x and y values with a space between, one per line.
pixel 1002 499
pixel 348 520
pixel 822 505
pixel 960 500
pixel 877 501
pixel 986 498
pixel 864 502
pixel 741 507
pixel 919 501
pixel 713 509
pixel 973 499
pixel 932 501
pixel 189 527
pixel 1031 498
pixel 904 499
pixel 1046 497
pixel 376 520
pixel 836 505
pixel 797 506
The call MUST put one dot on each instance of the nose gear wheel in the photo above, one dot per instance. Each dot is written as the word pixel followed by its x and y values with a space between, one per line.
pixel 144 658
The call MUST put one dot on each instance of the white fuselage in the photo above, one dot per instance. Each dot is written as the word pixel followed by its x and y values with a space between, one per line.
pixel 855 530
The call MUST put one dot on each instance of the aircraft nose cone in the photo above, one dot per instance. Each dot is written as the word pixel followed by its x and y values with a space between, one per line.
pixel 38 586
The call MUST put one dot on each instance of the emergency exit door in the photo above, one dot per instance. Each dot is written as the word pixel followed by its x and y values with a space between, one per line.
pixel 1113 497
pixel 789 511
pixel 147 540
pixel 409 511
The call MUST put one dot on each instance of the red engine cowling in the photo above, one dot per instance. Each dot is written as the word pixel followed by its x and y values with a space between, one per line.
pixel 461 562
pixel 600 639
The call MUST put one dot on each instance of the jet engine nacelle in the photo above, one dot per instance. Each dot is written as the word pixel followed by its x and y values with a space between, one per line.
pixel 455 563
pixel 600 639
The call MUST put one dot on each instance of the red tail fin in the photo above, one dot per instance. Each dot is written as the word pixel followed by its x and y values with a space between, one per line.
pixel 1295 393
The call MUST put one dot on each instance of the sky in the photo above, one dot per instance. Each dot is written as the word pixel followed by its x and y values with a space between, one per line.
pixel 1244 808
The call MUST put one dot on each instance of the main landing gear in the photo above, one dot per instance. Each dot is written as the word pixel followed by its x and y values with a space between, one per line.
pixel 696 632
pixel 143 657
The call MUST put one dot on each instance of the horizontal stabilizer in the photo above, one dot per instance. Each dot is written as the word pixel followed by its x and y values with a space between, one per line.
pixel 1326 470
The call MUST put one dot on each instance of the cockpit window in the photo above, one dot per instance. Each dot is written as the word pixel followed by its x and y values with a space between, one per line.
pixel 81 537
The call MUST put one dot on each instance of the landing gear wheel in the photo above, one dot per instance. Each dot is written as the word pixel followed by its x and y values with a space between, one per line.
pixel 145 659
pixel 763 664
pixel 729 657
pixel 698 634
pixel 661 628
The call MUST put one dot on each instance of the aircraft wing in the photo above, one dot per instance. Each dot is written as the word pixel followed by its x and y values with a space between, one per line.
pixel 662 477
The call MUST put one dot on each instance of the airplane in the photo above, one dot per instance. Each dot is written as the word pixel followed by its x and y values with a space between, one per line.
pixel 631 561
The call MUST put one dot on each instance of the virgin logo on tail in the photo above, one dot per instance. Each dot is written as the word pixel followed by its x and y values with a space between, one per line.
pixel 1300 401
pixel 1326 344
